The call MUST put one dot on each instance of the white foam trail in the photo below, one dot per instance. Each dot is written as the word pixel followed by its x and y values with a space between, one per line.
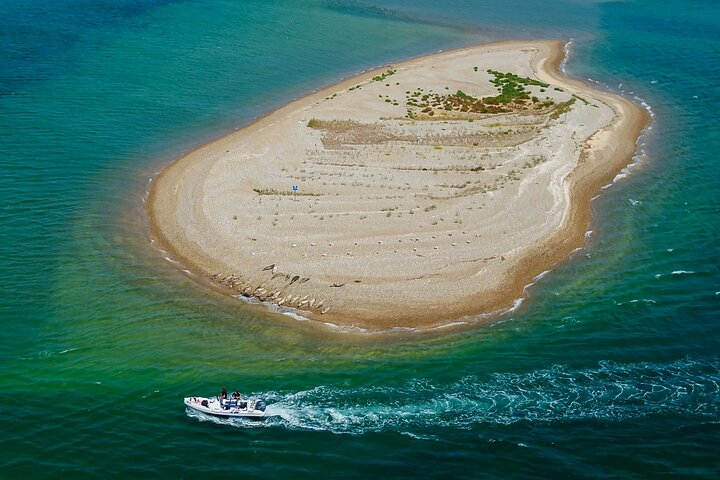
pixel 502 312
pixel 297 317
pixel 646 301
pixel 421 437
pixel 449 325
pixel 640 153
pixel 67 350
pixel 349 328
pixel 675 272
pixel 609 391
pixel 566 55
pixel 248 300
pixel 403 329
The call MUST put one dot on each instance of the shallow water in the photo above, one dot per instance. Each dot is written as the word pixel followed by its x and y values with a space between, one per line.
pixel 610 368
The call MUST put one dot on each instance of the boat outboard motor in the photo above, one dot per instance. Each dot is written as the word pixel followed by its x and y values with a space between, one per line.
pixel 204 403
pixel 260 405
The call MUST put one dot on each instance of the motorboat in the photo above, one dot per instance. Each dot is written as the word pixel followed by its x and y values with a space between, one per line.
pixel 228 407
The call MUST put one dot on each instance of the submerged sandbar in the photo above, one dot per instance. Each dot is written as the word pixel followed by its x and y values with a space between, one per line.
pixel 429 190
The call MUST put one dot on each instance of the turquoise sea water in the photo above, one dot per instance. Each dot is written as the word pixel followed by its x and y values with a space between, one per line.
pixel 610 369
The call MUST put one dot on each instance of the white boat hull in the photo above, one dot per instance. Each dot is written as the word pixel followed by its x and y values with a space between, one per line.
pixel 243 408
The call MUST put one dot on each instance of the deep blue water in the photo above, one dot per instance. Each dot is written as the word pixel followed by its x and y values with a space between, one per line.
pixel 610 369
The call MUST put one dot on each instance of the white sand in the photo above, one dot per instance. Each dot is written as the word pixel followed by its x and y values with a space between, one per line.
pixel 396 210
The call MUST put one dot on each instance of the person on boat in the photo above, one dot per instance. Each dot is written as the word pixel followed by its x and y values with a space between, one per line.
pixel 223 394
pixel 235 395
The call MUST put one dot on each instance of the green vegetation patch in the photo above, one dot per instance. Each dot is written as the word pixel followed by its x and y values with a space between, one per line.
pixel 383 76
pixel 513 96
pixel 511 87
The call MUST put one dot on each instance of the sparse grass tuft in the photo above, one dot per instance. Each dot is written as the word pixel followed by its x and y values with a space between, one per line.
pixel 272 191
pixel 562 108
pixel 581 99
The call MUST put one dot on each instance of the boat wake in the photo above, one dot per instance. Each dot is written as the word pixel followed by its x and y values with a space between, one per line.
pixel 611 391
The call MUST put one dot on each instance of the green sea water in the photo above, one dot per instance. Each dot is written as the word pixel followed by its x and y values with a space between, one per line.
pixel 609 368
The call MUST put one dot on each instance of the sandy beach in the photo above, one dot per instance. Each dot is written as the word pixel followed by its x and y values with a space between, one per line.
pixel 423 195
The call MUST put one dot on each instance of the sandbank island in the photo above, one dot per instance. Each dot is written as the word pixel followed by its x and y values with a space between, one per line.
pixel 428 191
